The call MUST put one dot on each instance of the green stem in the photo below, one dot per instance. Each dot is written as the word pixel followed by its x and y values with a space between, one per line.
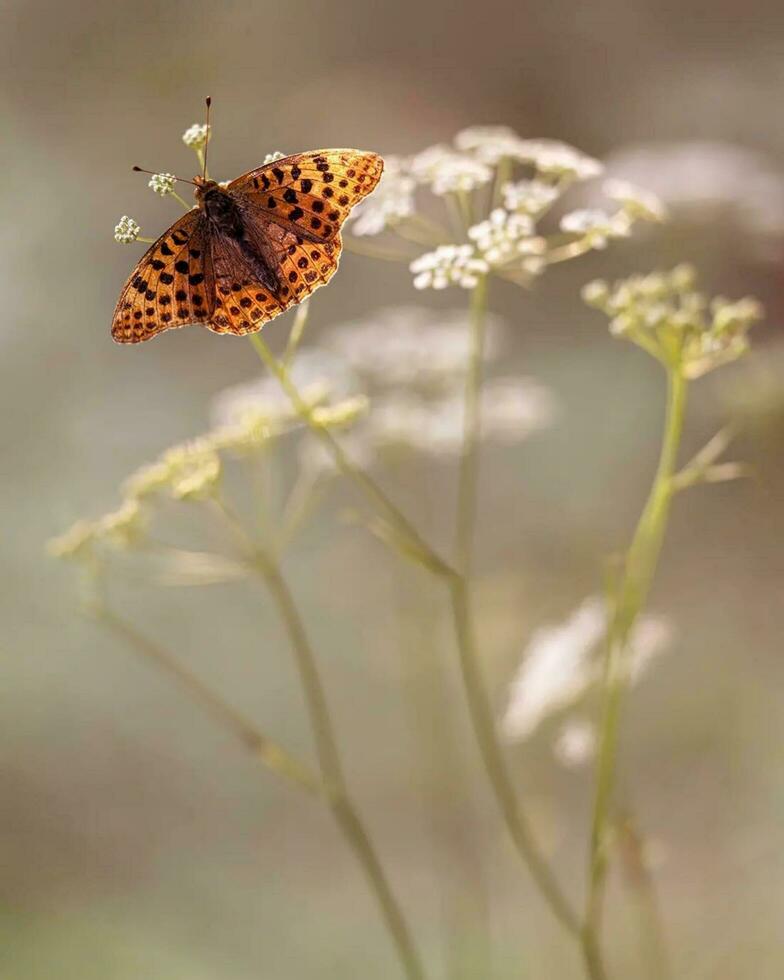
pixel 268 752
pixel 358 476
pixel 479 705
pixel 639 569
pixel 338 797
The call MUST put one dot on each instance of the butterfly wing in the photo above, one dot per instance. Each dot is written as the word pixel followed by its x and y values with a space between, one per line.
pixel 312 193
pixel 245 300
pixel 172 285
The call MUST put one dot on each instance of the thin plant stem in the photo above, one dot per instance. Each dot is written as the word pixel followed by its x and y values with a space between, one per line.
pixel 631 595
pixel 336 792
pixel 343 808
pixel 273 756
pixel 297 332
pixel 354 473
pixel 480 709
pixel 479 705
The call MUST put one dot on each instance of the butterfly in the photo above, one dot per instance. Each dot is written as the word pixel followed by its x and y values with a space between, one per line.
pixel 249 250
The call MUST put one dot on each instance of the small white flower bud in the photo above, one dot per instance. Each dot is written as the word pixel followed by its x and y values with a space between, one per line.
pixel 272 157
pixel 196 136
pixel 162 184
pixel 126 230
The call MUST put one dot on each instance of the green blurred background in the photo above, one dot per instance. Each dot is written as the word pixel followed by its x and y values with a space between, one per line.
pixel 139 842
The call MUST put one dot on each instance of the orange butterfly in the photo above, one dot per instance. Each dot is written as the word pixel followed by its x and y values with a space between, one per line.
pixel 249 250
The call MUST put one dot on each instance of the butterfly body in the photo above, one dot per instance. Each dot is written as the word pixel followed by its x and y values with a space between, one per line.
pixel 249 250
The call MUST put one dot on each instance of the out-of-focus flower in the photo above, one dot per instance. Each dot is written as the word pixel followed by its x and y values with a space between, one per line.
pixel 319 375
pixel 272 157
pixel 698 179
pixel 449 265
pixel 75 543
pixel 195 469
pixel 196 136
pixel 390 202
pixel 558 159
pixel 123 527
pixel 126 230
pixel 162 184
pixel 562 662
pixel 636 202
pixel 445 170
pixel 511 409
pixel 490 144
pixel 665 315
pixel 530 197
pixel 575 743
pixel 411 345
pixel 596 226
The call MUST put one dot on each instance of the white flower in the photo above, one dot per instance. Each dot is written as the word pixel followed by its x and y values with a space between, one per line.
pixel 575 744
pixel 597 226
pixel 272 157
pixel 448 265
pixel 162 184
pixel 506 236
pixel 390 202
pixel 126 230
pixel 445 170
pixel 411 345
pixel 529 196
pixel 196 136
pixel 637 202
pixel 320 376
pixel 558 159
pixel 512 408
pixel 561 662
pixel 490 144
pixel 556 669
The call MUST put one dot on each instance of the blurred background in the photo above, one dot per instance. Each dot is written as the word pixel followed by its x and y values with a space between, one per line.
pixel 139 841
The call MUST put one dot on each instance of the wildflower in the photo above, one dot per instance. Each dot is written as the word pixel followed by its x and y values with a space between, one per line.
pixel 390 202
pixel 562 662
pixel 195 469
pixel 75 543
pixel 196 136
pixel 122 527
pixel 162 184
pixel 558 159
pixel 637 203
pixel 411 346
pixel 490 144
pixel 340 414
pixel 575 744
pixel 451 172
pixel 248 432
pixel 665 315
pixel 596 226
pixel 504 236
pixel 272 157
pixel 126 230
pixel 513 408
pixel 529 196
pixel 320 376
pixel 147 480
pixel 449 265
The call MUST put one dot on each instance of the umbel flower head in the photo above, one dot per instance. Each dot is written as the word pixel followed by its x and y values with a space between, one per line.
pixel 667 316
pixel 126 230
pixel 496 187
pixel 196 136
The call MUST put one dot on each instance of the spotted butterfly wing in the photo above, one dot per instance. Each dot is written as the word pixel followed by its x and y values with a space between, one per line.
pixel 171 285
pixel 251 250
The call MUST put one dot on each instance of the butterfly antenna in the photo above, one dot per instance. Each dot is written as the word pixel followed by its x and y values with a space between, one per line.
pixel 208 101
pixel 153 173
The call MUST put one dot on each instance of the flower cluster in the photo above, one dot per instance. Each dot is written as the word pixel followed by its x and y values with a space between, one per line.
pixel 562 663
pixel 196 136
pixel 497 187
pixel 665 314
pixel 162 184
pixel 126 230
